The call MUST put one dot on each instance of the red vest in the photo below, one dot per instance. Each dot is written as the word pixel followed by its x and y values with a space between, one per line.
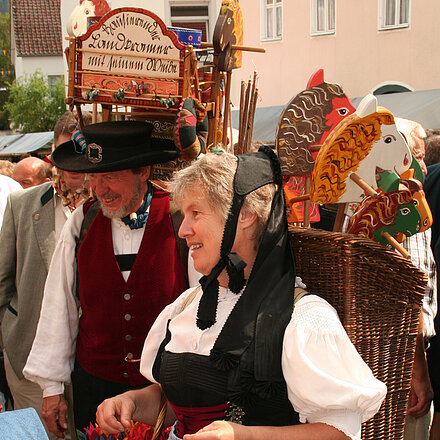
pixel 117 315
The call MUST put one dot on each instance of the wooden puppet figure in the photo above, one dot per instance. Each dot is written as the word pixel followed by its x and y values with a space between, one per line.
pixel 394 212
pixel 362 145
pixel 78 21
pixel 303 126
pixel 228 31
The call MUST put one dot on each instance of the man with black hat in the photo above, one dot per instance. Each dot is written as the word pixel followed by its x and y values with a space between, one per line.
pixel 106 287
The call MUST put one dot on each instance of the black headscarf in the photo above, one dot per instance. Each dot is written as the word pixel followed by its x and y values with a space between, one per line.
pixel 270 287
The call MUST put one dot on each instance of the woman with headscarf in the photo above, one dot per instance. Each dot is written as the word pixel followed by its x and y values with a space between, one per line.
pixel 237 357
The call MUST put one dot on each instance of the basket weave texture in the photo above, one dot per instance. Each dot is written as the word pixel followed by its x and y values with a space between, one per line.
pixel 378 295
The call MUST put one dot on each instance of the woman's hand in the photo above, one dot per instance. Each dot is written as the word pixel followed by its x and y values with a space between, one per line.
pixel 114 415
pixel 219 430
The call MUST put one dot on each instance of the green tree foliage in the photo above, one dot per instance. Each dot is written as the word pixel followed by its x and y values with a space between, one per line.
pixel 33 105
pixel 6 69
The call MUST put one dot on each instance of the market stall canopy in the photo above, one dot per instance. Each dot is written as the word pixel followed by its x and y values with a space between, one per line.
pixel 8 139
pixel 24 143
pixel 422 106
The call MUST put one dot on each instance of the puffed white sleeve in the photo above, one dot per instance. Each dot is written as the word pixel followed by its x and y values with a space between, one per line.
pixel 50 361
pixel 327 380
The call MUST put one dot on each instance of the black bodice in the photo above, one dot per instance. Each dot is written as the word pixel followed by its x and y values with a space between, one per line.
pixel 192 380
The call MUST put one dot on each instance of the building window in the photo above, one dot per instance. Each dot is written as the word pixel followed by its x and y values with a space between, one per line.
pixel 393 14
pixel 53 79
pixel 192 17
pixel 323 13
pixel 273 19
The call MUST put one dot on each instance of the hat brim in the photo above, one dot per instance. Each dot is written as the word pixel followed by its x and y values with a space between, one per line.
pixel 65 157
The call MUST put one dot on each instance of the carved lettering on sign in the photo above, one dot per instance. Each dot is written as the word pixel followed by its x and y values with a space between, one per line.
pixel 131 42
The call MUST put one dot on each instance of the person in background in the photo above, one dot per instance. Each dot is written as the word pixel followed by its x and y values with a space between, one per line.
pixel 432 192
pixel 32 224
pixel 237 358
pixel 6 168
pixel 419 416
pixel 32 171
pixel 7 185
pixel 432 148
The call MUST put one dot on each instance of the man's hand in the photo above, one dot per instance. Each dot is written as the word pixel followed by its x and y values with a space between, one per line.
pixel 54 414
pixel 421 396
pixel 421 393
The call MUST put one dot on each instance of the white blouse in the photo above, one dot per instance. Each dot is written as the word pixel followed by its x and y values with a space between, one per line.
pixel 327 379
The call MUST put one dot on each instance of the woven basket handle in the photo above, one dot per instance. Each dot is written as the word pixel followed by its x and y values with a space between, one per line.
pixel 160 417
pixel 299 293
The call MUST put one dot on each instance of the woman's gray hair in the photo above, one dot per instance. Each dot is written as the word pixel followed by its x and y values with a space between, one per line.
pixel 213 175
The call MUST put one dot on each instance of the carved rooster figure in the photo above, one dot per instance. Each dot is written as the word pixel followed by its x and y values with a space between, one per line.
pixel 77 23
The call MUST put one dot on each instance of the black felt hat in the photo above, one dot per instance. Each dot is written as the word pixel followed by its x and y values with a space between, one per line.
pixel 114 146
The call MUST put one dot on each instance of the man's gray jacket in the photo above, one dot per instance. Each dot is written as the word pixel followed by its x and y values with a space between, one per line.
pixel 27 242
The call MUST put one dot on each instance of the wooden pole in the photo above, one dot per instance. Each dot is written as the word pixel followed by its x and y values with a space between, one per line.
pixel 80 116
pixel 187 69
pixel 227 109
pixel 251 117
pixel 393 242
pixel 240 117
pixel 243 140
pixel 106 112
pixel 95 113
pixel 340 216
pixel 213 114
pixel 231 149
pixel 307 204
pixel 195 75
pixel 369 190
pixel 71 68
pixel 252 105
pixel 300 198
pixel 315 148
pixel 206 45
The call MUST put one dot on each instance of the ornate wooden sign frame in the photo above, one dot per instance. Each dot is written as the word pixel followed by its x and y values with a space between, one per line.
pixel 130 58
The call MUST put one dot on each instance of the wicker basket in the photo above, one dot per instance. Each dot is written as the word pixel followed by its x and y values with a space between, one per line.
pixel 378 295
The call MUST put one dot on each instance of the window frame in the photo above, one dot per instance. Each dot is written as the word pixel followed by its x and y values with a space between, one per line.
pixel 277 5
pixel 314 18
pixel 191 18
pixel 382 26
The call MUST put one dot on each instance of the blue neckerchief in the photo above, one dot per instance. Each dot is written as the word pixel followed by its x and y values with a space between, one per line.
pixel 142 213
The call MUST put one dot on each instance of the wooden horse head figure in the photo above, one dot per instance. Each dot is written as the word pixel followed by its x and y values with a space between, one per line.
pixel 228 31
pixel 394 212
pixel 363 144
pixel 306 121
pixel 419 200
pixel 391 182
pixel 77 23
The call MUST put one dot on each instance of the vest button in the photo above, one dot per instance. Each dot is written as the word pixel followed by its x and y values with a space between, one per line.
pixel 128 337
pixel 127 296
pixel 127 317
pixel 36 217
pixel 129 356
pixel 125 375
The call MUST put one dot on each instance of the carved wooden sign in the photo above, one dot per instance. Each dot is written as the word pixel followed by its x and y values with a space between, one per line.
pixel 130 57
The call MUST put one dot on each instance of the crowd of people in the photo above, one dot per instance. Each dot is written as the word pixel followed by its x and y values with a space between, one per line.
pixel 117 295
